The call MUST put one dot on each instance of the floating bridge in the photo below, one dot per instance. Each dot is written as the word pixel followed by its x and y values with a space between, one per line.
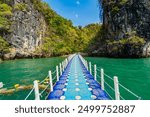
pixel 73 80
pixel 76 83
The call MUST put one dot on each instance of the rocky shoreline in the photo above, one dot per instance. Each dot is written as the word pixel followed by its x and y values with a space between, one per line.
pixel 97 53
pixel 121 51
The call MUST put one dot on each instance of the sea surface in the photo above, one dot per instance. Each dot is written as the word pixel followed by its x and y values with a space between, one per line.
pixel 134 74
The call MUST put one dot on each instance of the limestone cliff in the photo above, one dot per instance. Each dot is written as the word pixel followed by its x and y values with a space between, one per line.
pixel 26 31
pixel 122 20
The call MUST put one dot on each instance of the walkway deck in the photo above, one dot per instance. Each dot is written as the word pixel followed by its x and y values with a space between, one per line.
pixel 76 83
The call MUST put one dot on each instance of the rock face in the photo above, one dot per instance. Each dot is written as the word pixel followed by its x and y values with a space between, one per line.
pixel 27 29
pixel 146 50
pixel 120 19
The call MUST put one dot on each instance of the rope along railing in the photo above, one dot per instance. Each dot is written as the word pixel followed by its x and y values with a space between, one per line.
pixel 50 79
pixel 106 80
pixel 29 94
pixel 130 91
pixel 44 90
pixel 44 80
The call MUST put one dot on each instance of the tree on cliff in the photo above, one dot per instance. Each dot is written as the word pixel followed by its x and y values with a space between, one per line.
pixel 5 14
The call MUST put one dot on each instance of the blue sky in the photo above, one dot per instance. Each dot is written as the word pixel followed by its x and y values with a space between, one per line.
pixel 81 12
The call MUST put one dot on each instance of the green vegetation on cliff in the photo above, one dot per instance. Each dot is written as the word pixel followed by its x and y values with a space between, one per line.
pixel 62 37
pixel 5 14
pixel 4 46
pixel 114 5
pixel 20 7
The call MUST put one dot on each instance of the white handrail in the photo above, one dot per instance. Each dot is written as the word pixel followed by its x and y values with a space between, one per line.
pixel 99 69
pixel 109 95
pixel 44 90
pixel 130 91
pixel 54 72
pixel 29 94
pixel 95 75
pixel 108 76
pixel 109 86
pixel 51 79
pixel 54 78
pixel 43 80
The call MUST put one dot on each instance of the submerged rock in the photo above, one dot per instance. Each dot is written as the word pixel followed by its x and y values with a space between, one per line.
pixel 5 91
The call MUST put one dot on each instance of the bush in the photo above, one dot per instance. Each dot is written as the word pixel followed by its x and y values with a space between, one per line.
pixel 136 40
pixel 131 40
pixel 5 10
pixel 4 46
pixel 5 14
pixel 115 10
pixel 21 7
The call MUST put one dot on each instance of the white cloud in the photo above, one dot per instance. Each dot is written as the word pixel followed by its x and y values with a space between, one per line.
pixel 77 16
pixel 78 2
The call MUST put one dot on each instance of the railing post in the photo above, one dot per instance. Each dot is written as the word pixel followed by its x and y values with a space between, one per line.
pixel 95 72
pixel 87 65
pixel 102 79
pixel 90 68
pixel 60 67
pixel 84 63
pixel 36 90
pixel 68 60
pixel 57 73
pixel 50 80
pixel 66 63
pixel 116 86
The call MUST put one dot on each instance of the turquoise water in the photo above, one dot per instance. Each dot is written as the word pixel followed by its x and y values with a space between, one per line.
pixel 132 73
pixel 24 72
